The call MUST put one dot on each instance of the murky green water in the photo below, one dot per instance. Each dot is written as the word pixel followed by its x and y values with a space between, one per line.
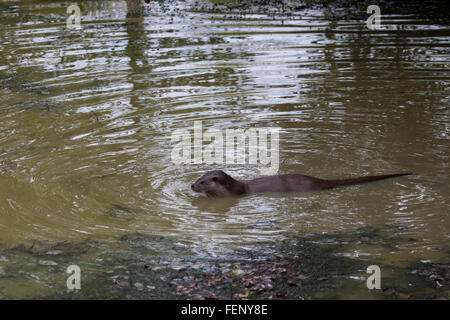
pixel 86 118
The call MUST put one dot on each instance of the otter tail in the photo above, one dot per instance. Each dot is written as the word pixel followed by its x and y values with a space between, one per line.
pixel 347 182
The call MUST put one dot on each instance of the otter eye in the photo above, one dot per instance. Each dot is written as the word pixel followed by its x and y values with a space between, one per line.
pixel 202 182
pixel 214 179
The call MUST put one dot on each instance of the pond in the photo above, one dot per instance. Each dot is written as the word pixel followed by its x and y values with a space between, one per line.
pixel 87 117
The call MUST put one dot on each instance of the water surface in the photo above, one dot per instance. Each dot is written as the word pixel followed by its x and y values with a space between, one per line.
pixel 86 118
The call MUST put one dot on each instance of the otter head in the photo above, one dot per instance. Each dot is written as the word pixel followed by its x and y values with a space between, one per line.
pixel 214 183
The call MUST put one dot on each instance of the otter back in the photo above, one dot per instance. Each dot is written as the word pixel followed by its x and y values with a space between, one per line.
pixel 218 183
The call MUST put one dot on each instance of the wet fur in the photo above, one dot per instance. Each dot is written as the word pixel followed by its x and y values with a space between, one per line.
pixel 219 184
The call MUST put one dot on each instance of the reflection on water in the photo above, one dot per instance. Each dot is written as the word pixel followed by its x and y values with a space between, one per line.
pixel 86 118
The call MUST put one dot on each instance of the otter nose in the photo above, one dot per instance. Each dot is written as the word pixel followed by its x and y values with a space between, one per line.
pixel 192 186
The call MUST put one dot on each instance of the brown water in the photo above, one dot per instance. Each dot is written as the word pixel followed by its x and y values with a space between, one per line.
pixel 86 118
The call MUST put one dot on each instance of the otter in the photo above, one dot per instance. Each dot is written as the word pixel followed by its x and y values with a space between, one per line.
pixel 219 184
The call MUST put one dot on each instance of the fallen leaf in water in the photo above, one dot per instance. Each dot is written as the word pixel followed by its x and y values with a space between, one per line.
pixel 155 268
pixel 436 277
pixel 389 291
pixel 192 286
pixel 249 281
pixel 181 290
pixel 150 288
pixel 239 272
pixel 403 295
pixel 262 286
pixel 242 295
pixel 120 267
pixel 321 278
pixel 212 281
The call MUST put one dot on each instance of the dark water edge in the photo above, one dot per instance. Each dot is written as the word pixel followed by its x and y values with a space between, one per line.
pixel 434 9
pixel 146 267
